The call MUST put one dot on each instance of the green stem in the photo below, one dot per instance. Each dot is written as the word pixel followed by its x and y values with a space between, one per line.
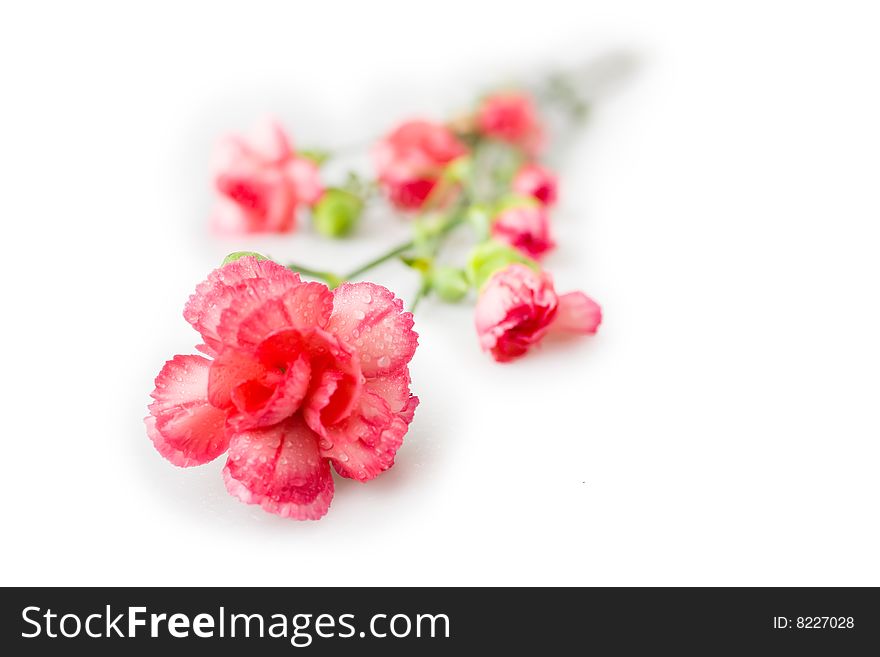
pixel 333 280
pixel 421 294
pixel 328 277
pixel 393 253
pixel 455 220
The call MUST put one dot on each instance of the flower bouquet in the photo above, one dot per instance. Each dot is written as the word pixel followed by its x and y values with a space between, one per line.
pixel 303 370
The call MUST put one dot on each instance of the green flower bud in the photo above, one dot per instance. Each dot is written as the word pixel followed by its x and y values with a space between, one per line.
pixel 337 212
pixel 491 256
pixel 450 283
pixel 238 255
pixel 460 169
pixel 513 201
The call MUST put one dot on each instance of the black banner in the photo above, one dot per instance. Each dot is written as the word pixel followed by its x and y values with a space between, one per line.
pixel 277 621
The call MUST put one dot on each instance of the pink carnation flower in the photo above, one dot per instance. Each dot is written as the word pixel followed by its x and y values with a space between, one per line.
pixel 518 307
pixel 262 182
pixel 525 228
pixel 511 117
pixel 411 159
pixel 536 181
pixel 298 377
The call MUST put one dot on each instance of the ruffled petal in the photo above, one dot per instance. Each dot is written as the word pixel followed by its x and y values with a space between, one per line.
pixel 336 381
pixel 162 446
pixel 393 388
pixel 250 191
pixel 364 445
pixel 577 313
pixel 306 180
pixel 259 405
pixel 319 399
pixel 229 218
pixel 185 428
pixel 279 212
pixel 263 386
pixel 526 229
pixel 231 368
pixel 536 181
pixel 409 409
pixel 226 286
pixel 303 306
pixel 265 198
pixel 371 320
pixel 409 194
pixel 280 469
pixel 269 142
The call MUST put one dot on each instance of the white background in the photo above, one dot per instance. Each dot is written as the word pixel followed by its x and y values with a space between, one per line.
pixel 722 205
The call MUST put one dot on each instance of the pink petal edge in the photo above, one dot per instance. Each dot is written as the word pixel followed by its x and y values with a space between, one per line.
pixel 371 319
pixel 577 313
pixel 280 469
pixel 183 425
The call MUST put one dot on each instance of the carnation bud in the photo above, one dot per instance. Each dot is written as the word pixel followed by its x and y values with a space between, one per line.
pixel 337 212
pixel 460 169
pixel 238 255
pixel 489 257
pixel 450 283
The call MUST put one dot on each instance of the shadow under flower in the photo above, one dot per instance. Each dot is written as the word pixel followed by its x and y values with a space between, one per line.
pixel 200 496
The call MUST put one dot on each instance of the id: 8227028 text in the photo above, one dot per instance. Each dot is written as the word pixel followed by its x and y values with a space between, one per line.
pixel 814 623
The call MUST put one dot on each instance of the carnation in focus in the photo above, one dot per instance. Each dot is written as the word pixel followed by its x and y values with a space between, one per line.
pixel 295 378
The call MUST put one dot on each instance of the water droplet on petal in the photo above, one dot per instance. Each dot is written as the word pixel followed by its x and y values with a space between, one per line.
pixel 359 314
pixel 343 457
pixel 383 361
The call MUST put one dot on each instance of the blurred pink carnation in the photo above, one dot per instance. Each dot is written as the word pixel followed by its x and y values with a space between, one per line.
pixel 511 117
pixel 411 159
pixel 299 377
pixel 537 182
pixel 525 228
pixel 518 307
pixel 262 182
